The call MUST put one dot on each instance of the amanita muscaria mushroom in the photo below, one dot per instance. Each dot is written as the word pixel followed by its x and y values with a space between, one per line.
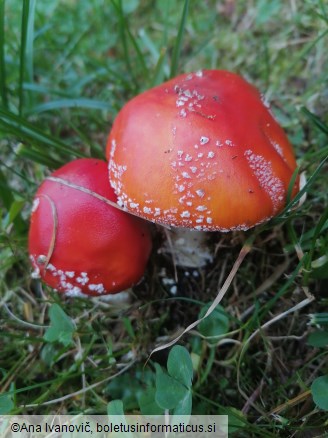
pixel 78 242
pixel 201 151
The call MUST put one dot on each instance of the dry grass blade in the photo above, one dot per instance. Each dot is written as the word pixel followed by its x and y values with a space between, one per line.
pixel 87 191
pixel 243 252
pixel 54 232
pixel 280 316
pixel 292 402
pixel 81 391
pixel 24 323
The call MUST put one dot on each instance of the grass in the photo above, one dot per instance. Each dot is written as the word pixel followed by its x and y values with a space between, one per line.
pixel 66 68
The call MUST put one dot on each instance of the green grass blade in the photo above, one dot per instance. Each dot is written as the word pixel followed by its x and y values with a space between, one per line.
pixel 5 192
pixel 113 76
pixel 37 156
pixel 6 195
pixel 318 229
pixel 3 89
pixel 126 37
pixel 29 41
pixel 324 14
pixel 71 103
pixel 303 54
pixel 284 289
pixel 26 131
pixel 22 58
pixel 26 50
pixel 43 90
pixel 71 46
pixel 281 217
pixel 159 72
pixel 122 24
pixel 315 120
pixel 178 43
pixel 138 51
pixel 166 23
pixel 18 174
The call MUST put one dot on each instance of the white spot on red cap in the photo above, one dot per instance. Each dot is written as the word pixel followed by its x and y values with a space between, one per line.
pixel 113 148
pixel 200 193
pixel 204 140
pixel 75 292
pixel 83 279
pixel 147 210
pixel 99 288
pixel 271 184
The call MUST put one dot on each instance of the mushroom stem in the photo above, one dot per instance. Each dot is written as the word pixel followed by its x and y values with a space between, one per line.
pixel 188 248
pixel 117 299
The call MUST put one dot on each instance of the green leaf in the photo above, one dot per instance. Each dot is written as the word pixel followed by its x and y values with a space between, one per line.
pixel 179 365
pixel 319 389
pixel 318 339
pixel 48 354
pixel 147 403
pixel 169 391
pixel 6 404
pixel 126 389
pixel 185 404
pixel 116 413
pixel 216 324
pixel 61 328
pixel 115 407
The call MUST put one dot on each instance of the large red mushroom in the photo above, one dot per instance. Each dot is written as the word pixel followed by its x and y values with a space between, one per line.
pixel 203 152
pixel 79 243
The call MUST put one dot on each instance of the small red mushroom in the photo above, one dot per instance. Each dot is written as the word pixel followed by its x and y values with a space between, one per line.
pixel 78 243
pixel 201 151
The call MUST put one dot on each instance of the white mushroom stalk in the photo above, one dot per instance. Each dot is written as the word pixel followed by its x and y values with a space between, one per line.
pixel 188 248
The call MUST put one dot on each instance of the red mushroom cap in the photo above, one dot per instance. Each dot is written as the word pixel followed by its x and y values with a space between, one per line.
pixel 78 243
pixel 200 151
